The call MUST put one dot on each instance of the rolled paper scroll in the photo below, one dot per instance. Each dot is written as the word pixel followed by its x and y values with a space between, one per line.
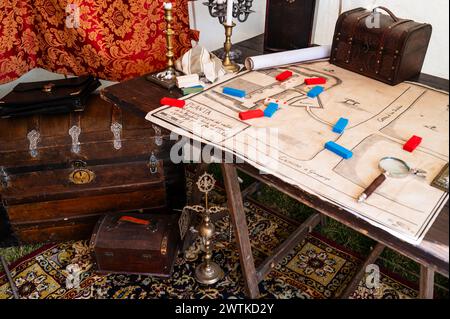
pixel 287 57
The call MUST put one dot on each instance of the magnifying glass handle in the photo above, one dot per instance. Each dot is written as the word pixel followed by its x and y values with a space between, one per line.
pixel 372 188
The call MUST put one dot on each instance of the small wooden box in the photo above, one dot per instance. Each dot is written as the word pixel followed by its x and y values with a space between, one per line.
pixel 380 46
pixel 127 247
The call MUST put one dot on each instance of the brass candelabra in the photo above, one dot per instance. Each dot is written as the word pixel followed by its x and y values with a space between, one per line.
pixel 228 65
pixel 167 78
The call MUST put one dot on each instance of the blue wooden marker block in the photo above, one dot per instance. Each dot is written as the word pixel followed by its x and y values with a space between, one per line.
pixel 315 91
pixel 339 150
pixel 233 92
pixel 270 109
pixel 340 126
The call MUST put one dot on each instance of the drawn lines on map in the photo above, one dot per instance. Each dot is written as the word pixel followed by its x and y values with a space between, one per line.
pixel 346 168
pixel 165 116
pixel 321 180
pixel 389 128
pixel 339 203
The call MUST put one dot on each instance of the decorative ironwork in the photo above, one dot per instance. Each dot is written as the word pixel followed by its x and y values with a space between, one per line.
pixel 4 178
pixel 158 137
pixel 75 132
pixel 116 129
pixel 218 9
pixel 153 163
pixel 33 136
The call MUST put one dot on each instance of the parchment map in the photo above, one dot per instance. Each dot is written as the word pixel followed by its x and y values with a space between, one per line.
pixel 382 118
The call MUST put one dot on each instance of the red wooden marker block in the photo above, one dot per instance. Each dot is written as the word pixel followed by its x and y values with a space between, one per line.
pixel 284 76
pixel 315 81
pixel 412 144
pixel 173 102
pixel 253 114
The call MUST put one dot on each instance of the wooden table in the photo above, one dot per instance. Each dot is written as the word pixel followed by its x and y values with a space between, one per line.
pixel 432 254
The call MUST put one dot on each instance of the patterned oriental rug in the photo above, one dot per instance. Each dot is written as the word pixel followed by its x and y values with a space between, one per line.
pixel 316 268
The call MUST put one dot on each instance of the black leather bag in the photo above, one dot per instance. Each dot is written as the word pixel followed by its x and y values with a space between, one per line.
pixel 48 97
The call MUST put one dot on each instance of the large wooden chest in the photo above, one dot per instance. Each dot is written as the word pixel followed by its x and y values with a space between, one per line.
pixel 136 244
pixel 59 173
pixel 380 45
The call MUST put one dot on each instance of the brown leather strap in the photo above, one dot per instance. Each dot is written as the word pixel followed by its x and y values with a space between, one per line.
pixel 116 114
pixel 383 42
pixel 339 23
pixel 75 119
pixel 352 34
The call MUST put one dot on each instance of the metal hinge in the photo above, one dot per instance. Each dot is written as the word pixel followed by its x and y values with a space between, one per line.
pixel 33 136
pixel 116 129
pixel 4 178
pixel 75 132
pixel 164 246
pixel 158 137
pixel 153 163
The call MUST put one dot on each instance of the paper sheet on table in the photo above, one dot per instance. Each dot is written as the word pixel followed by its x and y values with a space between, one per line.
pixel 287 57
pixel 382 118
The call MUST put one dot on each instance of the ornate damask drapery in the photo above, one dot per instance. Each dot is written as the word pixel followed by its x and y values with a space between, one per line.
pixel 111 39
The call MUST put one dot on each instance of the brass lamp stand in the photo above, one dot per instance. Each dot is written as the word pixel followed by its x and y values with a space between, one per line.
pixel 228 65
pixel 208 272
pixel 167 78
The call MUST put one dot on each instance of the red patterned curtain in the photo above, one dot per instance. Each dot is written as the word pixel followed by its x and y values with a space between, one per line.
pixel 111 39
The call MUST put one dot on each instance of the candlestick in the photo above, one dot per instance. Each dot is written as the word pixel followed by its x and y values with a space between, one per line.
pixel 167 78
pixel 229 20
pixel 227 63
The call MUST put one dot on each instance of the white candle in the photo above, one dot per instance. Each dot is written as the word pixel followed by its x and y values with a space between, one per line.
pixel 168 5
pixel 229 20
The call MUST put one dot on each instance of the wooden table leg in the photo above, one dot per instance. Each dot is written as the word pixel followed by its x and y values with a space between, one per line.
pixel 236 208
pixel 426 283
pixel 353 285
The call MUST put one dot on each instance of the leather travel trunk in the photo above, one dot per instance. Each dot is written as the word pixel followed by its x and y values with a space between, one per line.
pixel 60 173
pixel 380 46
pixel 130 247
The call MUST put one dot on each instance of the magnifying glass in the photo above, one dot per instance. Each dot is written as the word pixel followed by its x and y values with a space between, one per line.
pixel 391 167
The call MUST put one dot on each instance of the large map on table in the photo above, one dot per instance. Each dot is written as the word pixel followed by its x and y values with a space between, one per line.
pixel 382 118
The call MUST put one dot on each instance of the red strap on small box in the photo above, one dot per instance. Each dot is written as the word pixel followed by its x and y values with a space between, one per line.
pixel 253 114
pixel 315 81
pixel 412 144
pixel 284 76
pixel 134 220
pixel 173 102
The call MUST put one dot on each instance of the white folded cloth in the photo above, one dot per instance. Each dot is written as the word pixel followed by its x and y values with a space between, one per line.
pixel 199 61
